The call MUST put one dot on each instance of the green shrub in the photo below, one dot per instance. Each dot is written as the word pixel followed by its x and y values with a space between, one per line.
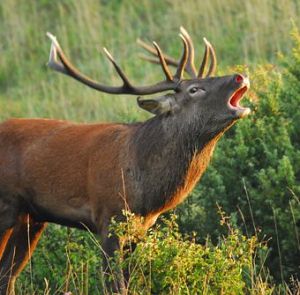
pixel 255 174
pixel 166 262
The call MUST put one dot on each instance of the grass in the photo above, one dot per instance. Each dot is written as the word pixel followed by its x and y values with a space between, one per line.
pixel 241 32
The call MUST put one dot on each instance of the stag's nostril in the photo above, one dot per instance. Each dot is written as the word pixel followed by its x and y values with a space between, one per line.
pixel 239 78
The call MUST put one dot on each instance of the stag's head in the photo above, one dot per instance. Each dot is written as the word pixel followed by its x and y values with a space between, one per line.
pixel 213 102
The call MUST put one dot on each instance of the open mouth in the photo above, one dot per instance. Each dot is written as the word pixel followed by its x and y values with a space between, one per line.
pixel 234 102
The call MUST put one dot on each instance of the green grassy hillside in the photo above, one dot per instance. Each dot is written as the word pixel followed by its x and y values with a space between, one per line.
pixel 242 32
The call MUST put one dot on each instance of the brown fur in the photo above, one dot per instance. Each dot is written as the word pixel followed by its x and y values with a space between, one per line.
pixel 56 171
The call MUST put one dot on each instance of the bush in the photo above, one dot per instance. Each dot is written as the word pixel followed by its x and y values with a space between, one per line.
pixel 255 174
pixel 166 262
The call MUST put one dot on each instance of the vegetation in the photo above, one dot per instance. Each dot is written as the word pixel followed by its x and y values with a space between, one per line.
pixel 255 174
pixel 166 262
pixel 262 194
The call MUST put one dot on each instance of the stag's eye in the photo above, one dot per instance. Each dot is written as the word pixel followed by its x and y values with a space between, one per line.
pixel 195 89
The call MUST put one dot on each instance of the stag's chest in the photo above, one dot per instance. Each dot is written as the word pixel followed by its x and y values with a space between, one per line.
pixel 190 178
pixel 164 188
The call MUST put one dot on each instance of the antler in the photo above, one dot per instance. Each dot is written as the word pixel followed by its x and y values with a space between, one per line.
pixel 213 63
pixel 59 62
pixel 189 67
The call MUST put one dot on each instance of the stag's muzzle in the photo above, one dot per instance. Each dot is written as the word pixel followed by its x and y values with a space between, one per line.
pixel 243 84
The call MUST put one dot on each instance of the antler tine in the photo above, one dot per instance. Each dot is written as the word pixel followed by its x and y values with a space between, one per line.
pixel 64 66
pixel 204 60
pixel 183 60
pixel 213 63
pixel 190 66
pixel 169 60
pixel 163 62
pixel 59 62
pixel 118 69
pixel 53 61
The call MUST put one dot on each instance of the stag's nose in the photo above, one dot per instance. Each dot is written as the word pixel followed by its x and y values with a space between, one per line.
pixel 239 78
pixel 242 79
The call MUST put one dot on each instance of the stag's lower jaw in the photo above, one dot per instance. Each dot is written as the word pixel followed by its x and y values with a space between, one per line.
pixel 234 102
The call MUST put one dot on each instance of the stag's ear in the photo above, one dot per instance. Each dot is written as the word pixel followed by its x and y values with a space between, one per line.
pixel 160 105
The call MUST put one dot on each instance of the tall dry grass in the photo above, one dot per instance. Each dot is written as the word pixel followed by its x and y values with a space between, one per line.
pixel 242 32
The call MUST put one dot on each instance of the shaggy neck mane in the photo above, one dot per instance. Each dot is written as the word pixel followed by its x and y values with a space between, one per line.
pixel 170 160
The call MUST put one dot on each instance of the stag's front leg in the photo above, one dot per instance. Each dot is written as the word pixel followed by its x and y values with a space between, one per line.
pixel 113 274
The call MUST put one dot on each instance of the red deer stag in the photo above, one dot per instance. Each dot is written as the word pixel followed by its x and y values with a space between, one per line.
pixel 73 174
